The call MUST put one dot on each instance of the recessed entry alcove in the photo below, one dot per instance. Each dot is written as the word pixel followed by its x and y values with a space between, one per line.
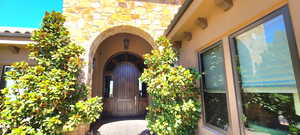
pixel 117 65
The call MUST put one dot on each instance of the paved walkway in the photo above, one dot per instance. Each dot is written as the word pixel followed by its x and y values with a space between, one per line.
pixel 122 127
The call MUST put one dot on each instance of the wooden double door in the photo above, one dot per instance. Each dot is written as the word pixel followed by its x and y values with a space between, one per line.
pixel 125 99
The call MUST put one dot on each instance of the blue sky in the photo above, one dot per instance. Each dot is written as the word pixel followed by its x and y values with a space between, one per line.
pixel 26 13
pixel 272 26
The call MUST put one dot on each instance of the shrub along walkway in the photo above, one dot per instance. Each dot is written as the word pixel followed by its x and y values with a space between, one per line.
pixel 121 126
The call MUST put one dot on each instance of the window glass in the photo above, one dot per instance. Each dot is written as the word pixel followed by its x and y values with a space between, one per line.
pixel 1 75
pixel 268 88
pixel 108 88
pixel 1 70
pixel 142 89
pixel 6 83
pixel 111 88
pixel 214 91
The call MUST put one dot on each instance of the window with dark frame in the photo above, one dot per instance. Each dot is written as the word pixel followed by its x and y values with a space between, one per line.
pixel 5 83
pixel 1 76
pixel 266 67
pixel 142 89
pixel 213 87
pixel 108 87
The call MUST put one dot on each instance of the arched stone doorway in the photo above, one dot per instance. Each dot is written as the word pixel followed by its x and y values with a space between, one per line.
pixel 117 65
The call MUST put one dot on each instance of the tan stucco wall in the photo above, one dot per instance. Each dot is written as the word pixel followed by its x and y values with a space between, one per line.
pixel 220 25
pixel 8 56
pixel 295 15
pixel 110 47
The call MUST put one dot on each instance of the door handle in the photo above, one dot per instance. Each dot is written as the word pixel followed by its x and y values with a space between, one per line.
pixel 135 100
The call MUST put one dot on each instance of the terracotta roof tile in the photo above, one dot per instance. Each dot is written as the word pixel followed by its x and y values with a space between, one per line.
pixel 16 31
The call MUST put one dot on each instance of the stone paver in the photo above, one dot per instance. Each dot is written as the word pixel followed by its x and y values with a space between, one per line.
pixel 124 127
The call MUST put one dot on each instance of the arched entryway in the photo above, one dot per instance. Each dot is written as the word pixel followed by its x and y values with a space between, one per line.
pixel 117 65
pixel 123 93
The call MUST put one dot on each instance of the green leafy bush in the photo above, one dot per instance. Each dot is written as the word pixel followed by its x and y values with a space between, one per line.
pixel 48 98
pixel 175 106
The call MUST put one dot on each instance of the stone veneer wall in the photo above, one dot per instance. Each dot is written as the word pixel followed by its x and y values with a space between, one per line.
pixel 86 19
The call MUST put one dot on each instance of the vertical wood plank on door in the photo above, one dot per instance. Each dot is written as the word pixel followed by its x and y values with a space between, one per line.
pixel 126 100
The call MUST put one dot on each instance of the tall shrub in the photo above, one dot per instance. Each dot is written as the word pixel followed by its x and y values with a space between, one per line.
pixel 48 98
pixel 174 108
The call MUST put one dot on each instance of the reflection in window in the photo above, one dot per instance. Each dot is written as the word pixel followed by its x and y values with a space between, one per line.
pixel 268 87
pixel 108 88
pixel 142 89
pixel 1 76
pixel 111 88
pixel 214 91
pixel 4 82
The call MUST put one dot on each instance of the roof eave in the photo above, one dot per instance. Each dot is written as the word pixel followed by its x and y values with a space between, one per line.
pixel 15 35
pixel 178 16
